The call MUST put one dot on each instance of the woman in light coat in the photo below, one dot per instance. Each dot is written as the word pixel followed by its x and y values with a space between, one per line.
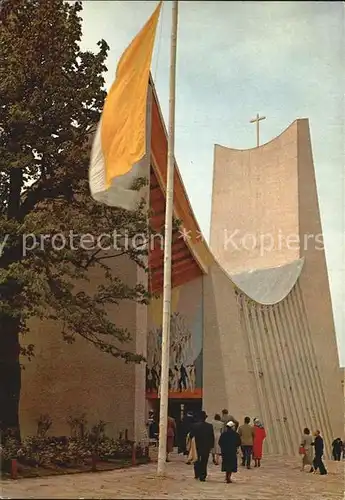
pixel 217 429
pixel 308 455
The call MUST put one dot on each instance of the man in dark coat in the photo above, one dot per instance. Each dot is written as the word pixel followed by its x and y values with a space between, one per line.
pixel 183 430
pixel 229 442
pixel 337 447
pixel 203 433
pixel 318 445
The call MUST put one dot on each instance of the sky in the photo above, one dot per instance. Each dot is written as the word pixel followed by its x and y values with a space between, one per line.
pixel 284 60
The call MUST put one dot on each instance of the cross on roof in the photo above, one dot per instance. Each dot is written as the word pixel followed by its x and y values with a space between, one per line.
pixel 257 121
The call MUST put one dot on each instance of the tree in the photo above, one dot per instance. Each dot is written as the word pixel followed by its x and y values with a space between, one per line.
pixel 51 94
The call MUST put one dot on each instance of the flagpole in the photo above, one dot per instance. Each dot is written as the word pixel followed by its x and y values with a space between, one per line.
pixel 164 382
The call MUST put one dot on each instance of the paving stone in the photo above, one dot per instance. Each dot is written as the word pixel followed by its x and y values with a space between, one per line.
pixel 278 478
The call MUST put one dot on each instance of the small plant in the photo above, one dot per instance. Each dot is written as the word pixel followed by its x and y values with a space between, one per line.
pixel 44 423
pixel 78 425
pixel 98 431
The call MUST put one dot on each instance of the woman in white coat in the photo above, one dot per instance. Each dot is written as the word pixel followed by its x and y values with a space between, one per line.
pixel 217 429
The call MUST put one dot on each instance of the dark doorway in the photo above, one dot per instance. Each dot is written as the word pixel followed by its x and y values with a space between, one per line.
pixel 178 407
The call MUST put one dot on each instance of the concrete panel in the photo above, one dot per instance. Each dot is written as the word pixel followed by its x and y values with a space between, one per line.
pixel 66 380
pixel 254 200
pixel 314 283
pixel 228 382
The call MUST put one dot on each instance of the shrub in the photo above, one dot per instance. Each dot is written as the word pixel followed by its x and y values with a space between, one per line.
pixel 63 451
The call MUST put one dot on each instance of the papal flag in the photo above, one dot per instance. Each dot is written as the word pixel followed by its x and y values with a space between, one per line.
pixel 121 137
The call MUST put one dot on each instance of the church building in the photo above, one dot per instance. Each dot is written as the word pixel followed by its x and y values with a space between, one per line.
pixel 251 325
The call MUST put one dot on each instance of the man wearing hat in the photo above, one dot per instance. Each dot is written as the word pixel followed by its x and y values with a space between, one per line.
pixel 203 434
pixel 227 418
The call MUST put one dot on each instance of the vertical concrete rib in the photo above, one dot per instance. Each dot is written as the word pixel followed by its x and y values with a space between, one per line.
pixel 275 396
pixel 304 360
pixel 287 417
pixel 248 354
pixel 298 424
pixel 312 372
pixel 264 375
pixel 295 375
pixel 267 377
pixel 317 379
pixel 261 398
pixel 297 369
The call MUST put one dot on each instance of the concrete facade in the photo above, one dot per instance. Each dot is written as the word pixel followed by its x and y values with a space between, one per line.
pixel 255 193
pixel 270 192
pixel 66 380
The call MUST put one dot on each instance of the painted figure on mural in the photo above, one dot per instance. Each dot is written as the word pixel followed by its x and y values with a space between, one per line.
pixel 182 370
pixel 183 378
pixel 171 379
pixel 149 384
pixel 191 377
pixel 155 377
pixel 176 377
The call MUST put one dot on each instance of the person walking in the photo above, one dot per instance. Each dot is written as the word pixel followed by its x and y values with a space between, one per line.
pixel 319 448
pixel 171 432
pixel 259 437
pixel 246 433
pixel 203 434
pixel 183 431
pixel 152 427
pixel 226 418
pixel 337 447
pixel 307 449
pixel 229 443
pixel 217 430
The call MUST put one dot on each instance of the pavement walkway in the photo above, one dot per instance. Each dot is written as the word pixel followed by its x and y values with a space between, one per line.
pixel 278 478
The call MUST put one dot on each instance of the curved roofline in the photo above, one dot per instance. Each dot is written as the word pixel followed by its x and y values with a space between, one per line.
pixel 201 250
pixel 261 145
pixel 269 286
pixel 176 166
pixel 190 245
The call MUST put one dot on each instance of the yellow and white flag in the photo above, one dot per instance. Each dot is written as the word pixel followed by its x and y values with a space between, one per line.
pixel 121 138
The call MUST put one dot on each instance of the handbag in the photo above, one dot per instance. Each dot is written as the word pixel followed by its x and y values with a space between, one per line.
pixel 301 450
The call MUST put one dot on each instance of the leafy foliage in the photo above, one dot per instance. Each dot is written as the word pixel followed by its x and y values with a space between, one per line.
pixel 51 97
pixel 63 451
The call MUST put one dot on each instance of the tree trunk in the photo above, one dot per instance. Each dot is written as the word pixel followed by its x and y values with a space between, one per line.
pixel 10 376
pixel 10 371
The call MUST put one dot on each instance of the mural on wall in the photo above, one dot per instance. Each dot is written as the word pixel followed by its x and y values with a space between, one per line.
pixel 185 370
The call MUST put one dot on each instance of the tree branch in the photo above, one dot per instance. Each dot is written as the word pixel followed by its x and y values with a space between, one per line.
pixel 16 180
